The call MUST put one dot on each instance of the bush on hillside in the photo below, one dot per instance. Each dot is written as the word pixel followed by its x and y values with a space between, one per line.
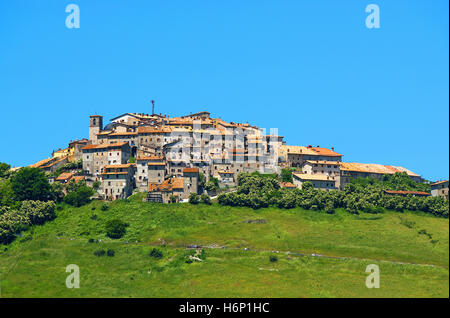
pixel 156 253
pixel 30 213
pixel 115 228
pixel 30 184
pixel 204 198
pixel 193 198
pixel 79 197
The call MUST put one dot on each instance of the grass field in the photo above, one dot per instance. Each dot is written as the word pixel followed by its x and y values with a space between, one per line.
pixel 411 249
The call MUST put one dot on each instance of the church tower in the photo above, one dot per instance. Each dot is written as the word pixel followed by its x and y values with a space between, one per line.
pixel 95 126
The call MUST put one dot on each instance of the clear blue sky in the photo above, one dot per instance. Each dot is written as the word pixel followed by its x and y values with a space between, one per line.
pixel 309 68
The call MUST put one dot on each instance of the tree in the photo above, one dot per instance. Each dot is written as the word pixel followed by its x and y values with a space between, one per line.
pixel 79 197
pixel 286 175
pixel 96 185
pixel 4 168
pixel 115 228
pixel 201 180
pixel 30 184
pixel 204 198
pixel 193 198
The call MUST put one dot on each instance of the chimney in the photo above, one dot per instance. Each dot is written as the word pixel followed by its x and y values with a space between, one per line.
pixel 332 148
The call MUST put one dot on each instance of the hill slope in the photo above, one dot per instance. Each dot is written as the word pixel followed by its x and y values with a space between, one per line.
pixel 411 249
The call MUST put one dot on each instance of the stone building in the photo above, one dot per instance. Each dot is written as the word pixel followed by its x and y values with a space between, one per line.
pixel 353 170
pixel 172 187
pixel 75 149
pixel 95 127
pixel 149 170
pixel 295 156
pixel 319 181
pixel 190 181
pixel 324 167
pixel 96 156
pixel 440 188
pixel 117 181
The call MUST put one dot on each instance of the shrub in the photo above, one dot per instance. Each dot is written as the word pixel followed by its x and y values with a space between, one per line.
pixel 156 253
pixel 115 228
pixel 172 198
pixel 91 240
pixel 273 258
pixel 99 253
pixel 30 184
pixel 79 197
pixel 104 207
pixel 193 198
pixel 204 198
pixel 110 253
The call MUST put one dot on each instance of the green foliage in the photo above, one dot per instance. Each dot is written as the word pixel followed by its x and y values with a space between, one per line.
pixel 201 180
pixel 30 184
pixel 69 166
pixel 132 160
pixel 204 198
pixel 273 258
pixel 30 213
pixel 156 253
pixel 398 181
pixel 110 253
pixel 363 195
pixel 212 185
pixel 193 198
pixel 286 175
pixel 4 169
pixel 104 207
pixel 6 193
pixel 99 253
pixel 56 189
pixel 80 196
pixel 96 185
pixel 172 199
pixel 115 228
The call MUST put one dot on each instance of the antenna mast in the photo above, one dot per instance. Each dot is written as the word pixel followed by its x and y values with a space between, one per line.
pixel 153 107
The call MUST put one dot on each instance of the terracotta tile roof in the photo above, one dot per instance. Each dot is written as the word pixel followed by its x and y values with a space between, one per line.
pixel 314 177
pixel 407 192
pixel 51 164
pixel 156 164
pixel 65 176
pixel 145 158
pixel 325 152
pixel 78 178
pixel 287 185
pixel 374 168
pixel 105 146
pixel 225 172
pixel 41 163
pixel 190 170
pixel 124 165
pixel 114 173
pixel 439 182
pixel 167 185
pixel 153 130
pixel 323 162
pixel 128 133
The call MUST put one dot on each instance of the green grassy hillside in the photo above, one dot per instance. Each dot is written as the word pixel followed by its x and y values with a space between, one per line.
pixel 411 249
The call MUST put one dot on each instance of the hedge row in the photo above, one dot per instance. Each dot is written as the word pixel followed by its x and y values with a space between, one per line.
pixel 29 213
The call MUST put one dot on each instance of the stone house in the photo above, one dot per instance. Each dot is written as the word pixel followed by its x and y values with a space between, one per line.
pixel 440 188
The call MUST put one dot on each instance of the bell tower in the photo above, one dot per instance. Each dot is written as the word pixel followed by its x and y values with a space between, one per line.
pixel 95 126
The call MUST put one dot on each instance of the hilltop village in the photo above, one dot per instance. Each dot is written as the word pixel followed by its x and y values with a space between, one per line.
pixel 168 157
